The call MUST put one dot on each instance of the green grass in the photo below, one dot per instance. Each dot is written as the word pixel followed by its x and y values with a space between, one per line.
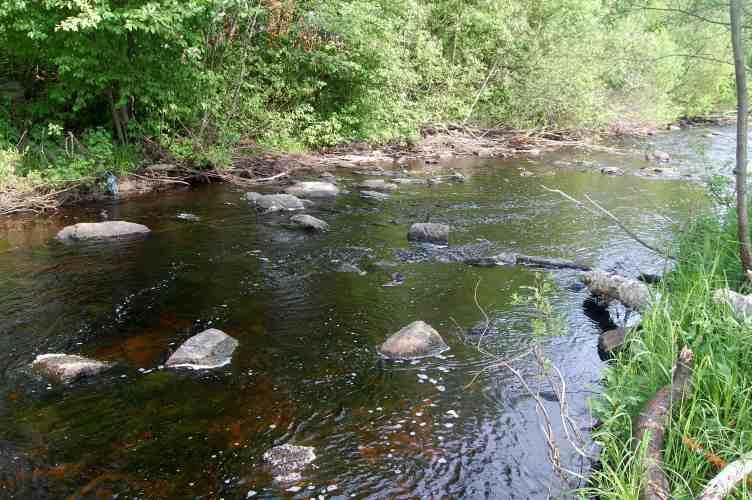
pixel 719 415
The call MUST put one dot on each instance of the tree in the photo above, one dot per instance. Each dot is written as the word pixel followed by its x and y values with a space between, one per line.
pixel 736 12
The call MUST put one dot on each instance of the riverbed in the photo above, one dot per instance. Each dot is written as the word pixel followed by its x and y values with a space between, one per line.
pixel 307 370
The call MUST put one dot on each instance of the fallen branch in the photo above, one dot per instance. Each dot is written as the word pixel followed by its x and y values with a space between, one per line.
pixel 511 259
pixel 630 233
pixel 650 427
pixel 726 480
pixel 632 293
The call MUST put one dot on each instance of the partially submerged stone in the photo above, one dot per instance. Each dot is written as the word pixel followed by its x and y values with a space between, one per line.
pixel 378 185
pixel 275 202
pixel 209 349
pixel 313 189
pixel 658 156
pixel 101 230
pixel 615 171
pixel 288 461
pixel 67 368
pixel 740 304
pixel 429 232
pixel 416 340
pixel 374 196
pixel 410 180
pixel 188 217
pixel 611 341
pixel 309 222
pixel 632 293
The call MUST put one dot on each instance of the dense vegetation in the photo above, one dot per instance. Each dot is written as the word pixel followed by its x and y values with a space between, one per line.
pixel 90 86
pixel 712 427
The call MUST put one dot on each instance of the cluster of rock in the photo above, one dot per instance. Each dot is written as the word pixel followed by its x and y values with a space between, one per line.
pixel 207 350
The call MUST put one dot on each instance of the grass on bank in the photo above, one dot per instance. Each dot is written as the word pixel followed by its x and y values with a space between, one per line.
pixel 715 425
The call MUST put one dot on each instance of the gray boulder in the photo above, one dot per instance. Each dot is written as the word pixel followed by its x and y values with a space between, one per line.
pixel 67 368
pixel 209 349
pixel 101 230
pixel 378 185
pixel 416 340
pixel 274 202
pixel 288 461
pixel 308 222
pixel 313 189
pixel 374 196
pixel 429 232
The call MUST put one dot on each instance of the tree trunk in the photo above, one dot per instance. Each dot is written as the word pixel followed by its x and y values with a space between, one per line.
pixel 742 110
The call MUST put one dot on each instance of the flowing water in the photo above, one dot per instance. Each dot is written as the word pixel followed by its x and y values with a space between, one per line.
pixel 307 369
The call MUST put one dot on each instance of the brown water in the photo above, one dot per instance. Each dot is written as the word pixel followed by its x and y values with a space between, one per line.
pixel 307 370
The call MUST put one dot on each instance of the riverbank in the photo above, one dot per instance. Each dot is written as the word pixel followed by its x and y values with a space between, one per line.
pixel 252 165
pixel 710 428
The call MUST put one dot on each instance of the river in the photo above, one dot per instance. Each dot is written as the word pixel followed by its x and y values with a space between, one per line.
pixel 307 369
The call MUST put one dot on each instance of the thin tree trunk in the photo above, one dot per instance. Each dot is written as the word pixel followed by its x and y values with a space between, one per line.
pixel 742 109
pixel 116 119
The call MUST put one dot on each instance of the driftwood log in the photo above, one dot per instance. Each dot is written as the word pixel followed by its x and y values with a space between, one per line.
pixel 724 483
pixel 632 293
pixel 651 424
pixel 512 259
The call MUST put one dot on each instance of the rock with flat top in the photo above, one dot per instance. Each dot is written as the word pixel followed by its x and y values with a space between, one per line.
pixel 288 461
pixel 374 196
pixel 275 202
pixel 416 340
pixel 429 232
pixel 379 185
pixel 313 189
pixel 209 349
pixel 101 230
pixel 309 222
pixel 66 368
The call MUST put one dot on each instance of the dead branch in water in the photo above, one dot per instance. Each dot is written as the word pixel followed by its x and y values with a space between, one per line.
pixel 603 211
pixel 650 427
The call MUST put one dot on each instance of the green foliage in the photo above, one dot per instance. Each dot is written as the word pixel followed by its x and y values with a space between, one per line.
pixel 202 76
pixel 718 418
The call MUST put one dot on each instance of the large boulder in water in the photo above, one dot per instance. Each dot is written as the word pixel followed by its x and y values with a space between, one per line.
pixel 378 185
pixel 288 461
pixel 309 222
pixel 416 340
pixel 313 189
pixel 209 349
pixel 67 368
pixel 101 230
pixel 274 202
pixel 429 232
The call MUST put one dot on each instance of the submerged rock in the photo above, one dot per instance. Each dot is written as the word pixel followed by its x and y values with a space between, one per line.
pixel 188 217
pixel 429 232
pixel 416 340
pixel 67 368
pixel 374 196
pixel 209 349
pixel 658 156
pixel 274 202
pixel 378 185
pixel 288 461
pixel 410 181
pixel 350 268
pixel 615 171
pixel 101 230
pixel 313 189
pixel 309 222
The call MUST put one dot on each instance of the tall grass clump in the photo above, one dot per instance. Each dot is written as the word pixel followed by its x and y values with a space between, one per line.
pixel 714 426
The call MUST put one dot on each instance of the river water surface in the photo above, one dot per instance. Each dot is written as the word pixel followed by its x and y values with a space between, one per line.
pixel 307 370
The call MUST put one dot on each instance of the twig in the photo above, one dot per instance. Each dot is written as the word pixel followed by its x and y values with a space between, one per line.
pixel 611 216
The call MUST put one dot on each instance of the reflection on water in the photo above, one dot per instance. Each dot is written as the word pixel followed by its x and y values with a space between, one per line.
pixel 307 370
